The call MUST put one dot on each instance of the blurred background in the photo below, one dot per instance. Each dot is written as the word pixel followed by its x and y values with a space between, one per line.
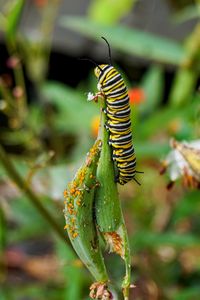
pixel 47 127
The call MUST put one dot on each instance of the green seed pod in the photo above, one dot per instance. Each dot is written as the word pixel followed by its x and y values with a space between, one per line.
pixel 107 205
pixel 109 217
pixel 78 212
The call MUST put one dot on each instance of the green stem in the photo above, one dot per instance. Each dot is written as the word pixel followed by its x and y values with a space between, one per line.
pixel 109 214
pixel 127 259
pixel 6 95
pixel 16 177
pixel 186 77
pixel 107 202
pixel 3 235
pixel 19 80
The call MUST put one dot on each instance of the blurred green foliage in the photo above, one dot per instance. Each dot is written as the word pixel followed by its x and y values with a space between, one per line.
pixel 135 42
pixel 163 225
pixel 99 10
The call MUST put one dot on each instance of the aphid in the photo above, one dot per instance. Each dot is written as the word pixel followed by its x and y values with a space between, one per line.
pixel 112 87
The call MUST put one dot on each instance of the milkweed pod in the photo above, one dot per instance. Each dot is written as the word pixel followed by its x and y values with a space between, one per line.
pixel 107 206
pixel 78 212
pixel 109 217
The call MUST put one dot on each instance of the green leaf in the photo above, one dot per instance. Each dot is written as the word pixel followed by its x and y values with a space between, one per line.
pixel 148 239
pixel 99 10
pixel 187 207
pixel 187 294
pixel 160 119
pixel 33 290
pixel 74 113
pixel 2 21
pixel 183 87
pixel 29 222
pixel 186 14
pixel 129 41
pixel 3 230
pixel 13 19
pixel 70 270
pixel 153 85
pixel 146 149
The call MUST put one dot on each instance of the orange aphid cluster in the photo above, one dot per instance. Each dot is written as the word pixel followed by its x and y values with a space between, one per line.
pixel 81 176
pixel 73 196
pixel 92 153
pixel 95 149
pixel 74 193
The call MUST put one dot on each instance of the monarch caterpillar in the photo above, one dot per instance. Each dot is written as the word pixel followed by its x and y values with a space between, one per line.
pixel 111 85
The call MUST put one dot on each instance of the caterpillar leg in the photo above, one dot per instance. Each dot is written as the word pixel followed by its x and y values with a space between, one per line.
pixel 136 180
pixel 116 178
pixel 104 110
pixel 106 126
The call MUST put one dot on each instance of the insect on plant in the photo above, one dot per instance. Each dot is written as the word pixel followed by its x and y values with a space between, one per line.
pixel 112 88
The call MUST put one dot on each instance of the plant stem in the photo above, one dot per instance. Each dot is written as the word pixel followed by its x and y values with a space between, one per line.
pixel 6 95
pixel 188 73
pixel 3 241
pixel 22 101
pixel 127 259
pixel 107 202
pixel 109 216
pixel 19 181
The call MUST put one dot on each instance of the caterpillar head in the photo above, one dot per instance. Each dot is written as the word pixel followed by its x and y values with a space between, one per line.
pixel 98 70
